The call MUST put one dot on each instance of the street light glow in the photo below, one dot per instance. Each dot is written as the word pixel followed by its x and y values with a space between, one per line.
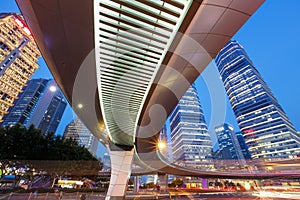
pixel 161 145
pixel 52 88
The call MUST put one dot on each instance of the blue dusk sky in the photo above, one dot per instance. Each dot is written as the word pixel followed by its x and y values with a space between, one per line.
pixel 271 39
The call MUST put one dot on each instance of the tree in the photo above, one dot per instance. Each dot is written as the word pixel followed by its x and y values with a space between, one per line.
pixel 53 154
pixel 176 183
pixel 19 143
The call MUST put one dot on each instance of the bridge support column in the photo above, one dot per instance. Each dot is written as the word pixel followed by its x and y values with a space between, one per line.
pixel 121 161
pixel 136 184
pixel 163 182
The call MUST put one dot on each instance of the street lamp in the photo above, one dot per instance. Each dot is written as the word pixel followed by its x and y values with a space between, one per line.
pixel 52 88
pixel 161 145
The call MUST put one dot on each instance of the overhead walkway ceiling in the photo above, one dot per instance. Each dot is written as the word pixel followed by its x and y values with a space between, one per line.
pixel 131 41
pixel 148 54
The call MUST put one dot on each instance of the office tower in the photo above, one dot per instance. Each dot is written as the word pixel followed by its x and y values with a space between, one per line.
pixel 191 143
pixel 228 142
pixel 41 104
pixel 150 179
pixel 24 106
pixel 78 131
pixel 265 126
pixel 230 151
pixel 243 145
pixel 54 111
pixel 18 57
pixel 106 162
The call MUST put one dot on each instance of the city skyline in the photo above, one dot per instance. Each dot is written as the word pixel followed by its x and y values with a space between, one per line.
pixel 130 66
pixel 266 26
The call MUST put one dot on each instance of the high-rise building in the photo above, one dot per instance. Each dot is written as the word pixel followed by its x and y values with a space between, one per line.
pixel 241 140
pixel 78 131
pixel 265 126
pixel 26 103
pixel 18 57
pixel 106 162
pixel 191 143
pixel 230 150
pixel 54 111
pixel 41 104
pixel 228 143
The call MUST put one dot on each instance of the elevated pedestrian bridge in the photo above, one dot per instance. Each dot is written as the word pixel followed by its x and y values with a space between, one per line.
pixel 124 65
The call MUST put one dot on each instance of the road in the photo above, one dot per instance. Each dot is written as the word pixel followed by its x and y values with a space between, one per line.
pixel 173 196
pixel 51 196
pixel 221 196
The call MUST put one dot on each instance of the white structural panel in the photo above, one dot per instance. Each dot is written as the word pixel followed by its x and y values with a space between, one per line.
pixel 131 40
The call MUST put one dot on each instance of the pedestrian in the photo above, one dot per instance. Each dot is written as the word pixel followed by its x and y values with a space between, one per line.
pixel 60 195
pixel 35 194
pixel 83 197
pixel 56 193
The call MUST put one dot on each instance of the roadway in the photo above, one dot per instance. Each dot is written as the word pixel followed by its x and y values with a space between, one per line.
pixel 181 194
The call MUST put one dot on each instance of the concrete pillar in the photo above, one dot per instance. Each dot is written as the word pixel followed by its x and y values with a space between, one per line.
pixel 121 161
pixel 163 182
pixel 136 184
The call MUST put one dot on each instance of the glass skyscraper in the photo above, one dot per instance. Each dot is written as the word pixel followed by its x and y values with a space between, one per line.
pixel 54 108
pixel 18 57
pixel 23 108
pixel 241 140
pixel 78 131
pixel 265 126
pixel 41 104
pixel 228 142
pixel 191 143
pixel 106 162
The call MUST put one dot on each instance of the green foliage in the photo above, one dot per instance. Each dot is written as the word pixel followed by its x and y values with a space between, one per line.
pixel 176 183
pixel 19 143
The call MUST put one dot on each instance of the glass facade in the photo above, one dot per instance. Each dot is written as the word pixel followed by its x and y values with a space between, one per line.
pixel 18 57
pixel 53 114
pixel 265 126
pixel 191 141
pixel 106 162
pixel 241 140
pixel 41 104
pixel 228 142
pixel 77 130
pixel 26 103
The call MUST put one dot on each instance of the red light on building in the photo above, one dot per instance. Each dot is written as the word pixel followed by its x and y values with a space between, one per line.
pixel 250 131
pixel 19 22
pixel 27 31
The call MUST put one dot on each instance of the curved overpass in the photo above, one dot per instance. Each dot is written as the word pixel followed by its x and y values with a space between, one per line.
pixel 147 55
